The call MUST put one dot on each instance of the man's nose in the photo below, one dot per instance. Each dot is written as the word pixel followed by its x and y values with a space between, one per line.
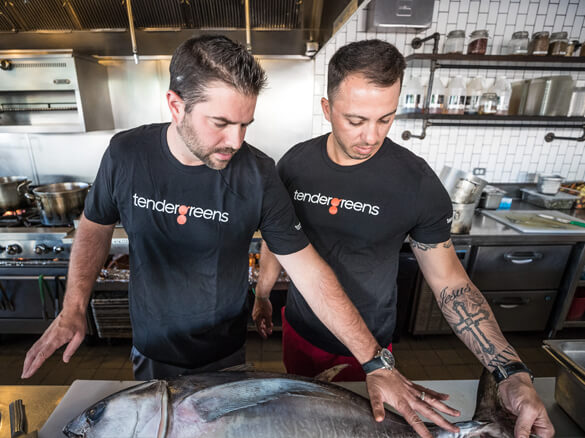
pixel 234 136
pixel 370 134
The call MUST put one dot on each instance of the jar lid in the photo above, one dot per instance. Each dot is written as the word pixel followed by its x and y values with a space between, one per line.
pixel 559 35
pixel 479 34
pixel 520 34
pixel 456 34
pixel 543 34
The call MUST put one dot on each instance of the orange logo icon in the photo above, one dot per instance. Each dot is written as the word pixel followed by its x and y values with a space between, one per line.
pixel 181 219
pixel 334 204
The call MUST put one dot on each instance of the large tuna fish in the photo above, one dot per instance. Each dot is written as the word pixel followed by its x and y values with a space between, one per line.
pixel 253 404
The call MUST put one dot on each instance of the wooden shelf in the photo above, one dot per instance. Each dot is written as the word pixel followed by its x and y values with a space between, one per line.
pixel 548 120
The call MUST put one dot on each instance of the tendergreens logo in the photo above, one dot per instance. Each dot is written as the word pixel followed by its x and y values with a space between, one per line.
pixel 335 204
pixel 181 210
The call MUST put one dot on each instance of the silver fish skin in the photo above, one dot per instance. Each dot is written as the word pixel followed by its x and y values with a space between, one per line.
pixel 254 404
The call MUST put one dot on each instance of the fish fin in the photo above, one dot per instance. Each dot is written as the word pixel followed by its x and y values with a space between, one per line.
pixel 213 403
pixel 248 366
pixel 488 407
pixel 329 374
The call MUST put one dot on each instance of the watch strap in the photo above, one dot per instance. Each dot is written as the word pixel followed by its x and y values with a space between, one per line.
pixel 373 365
pixel 502 372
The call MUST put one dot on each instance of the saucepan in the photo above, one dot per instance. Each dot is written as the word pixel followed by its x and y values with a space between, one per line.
pixel 60 203
pixel 12 192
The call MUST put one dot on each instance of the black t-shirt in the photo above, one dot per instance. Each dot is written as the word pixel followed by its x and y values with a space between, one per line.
pixel 357 217
pixel 189 281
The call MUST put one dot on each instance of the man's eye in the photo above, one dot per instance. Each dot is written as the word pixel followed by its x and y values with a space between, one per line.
pixel 385 122
pixel 355 123
pixel 220 125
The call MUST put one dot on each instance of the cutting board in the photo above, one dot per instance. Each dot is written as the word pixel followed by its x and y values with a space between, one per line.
pixel 80 396
pixel 84 393
pixel 528 221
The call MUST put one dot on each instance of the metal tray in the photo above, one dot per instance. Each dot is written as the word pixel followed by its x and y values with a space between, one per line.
pixel 570 383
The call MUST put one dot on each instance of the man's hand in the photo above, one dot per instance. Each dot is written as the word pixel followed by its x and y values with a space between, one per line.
pixel 68 327
pixel 393 388
pixel 262 316
pixel 519 397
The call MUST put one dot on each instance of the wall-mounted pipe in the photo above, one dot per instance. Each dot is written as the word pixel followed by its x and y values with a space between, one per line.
pixel 248 32
pixel 132 31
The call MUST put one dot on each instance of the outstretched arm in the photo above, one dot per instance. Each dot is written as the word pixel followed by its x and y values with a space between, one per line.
pixel 472 320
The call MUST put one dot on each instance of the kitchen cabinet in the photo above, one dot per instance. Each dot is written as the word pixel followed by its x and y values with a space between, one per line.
pixel 435 61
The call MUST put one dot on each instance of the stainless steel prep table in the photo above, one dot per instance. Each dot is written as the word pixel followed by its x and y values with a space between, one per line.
pixel 40 401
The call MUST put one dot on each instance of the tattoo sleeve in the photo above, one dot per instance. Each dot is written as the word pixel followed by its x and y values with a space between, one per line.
pixel 472 320
pixel 427 246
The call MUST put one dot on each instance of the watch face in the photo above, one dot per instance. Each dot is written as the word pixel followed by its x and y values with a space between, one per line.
pixel 387 359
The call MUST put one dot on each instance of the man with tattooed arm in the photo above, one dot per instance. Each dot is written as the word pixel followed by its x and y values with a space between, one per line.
pixel 358 196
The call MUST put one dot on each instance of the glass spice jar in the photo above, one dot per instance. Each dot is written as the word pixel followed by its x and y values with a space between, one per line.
pixel 488 103
pixel 478 42
pixel 572 47
pixel 455 42
pixel 558 44
pixel 518 45
pixel 582 51
pixel 539 44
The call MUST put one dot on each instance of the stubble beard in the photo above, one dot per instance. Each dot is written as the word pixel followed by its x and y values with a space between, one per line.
pixel 199 150
pixel 349 153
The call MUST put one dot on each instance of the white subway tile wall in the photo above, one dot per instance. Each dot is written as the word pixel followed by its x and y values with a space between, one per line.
pixel 508 154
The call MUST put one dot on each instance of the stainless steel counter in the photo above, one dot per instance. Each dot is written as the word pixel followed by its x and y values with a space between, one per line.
pixel 40 401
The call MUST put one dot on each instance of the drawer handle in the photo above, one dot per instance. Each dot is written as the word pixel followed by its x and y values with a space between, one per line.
pixel 511 302
pixel 522 258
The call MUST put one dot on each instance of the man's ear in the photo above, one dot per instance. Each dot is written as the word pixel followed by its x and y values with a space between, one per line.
pixel 176 106
pixel 325 106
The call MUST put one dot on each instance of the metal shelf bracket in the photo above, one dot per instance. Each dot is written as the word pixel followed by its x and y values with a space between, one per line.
pixel 551 136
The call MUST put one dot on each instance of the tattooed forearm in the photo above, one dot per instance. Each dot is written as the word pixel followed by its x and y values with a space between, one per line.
pixel 471 318
pixel 427 246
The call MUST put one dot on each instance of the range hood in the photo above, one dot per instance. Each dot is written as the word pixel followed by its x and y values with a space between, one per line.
pixel 157 27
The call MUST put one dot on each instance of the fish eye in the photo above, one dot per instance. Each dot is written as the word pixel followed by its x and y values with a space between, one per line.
pixel 95 413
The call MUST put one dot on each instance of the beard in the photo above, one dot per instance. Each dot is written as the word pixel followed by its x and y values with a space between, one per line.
pixel 200 150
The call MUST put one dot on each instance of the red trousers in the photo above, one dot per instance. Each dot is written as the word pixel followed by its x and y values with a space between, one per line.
pixel 302 358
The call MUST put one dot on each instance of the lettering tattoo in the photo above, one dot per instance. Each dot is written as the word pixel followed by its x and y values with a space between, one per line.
pixel 505 356
pixel 427 246
pixel 472 320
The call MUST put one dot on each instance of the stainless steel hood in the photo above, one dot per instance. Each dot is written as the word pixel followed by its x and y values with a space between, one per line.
pixel 104 27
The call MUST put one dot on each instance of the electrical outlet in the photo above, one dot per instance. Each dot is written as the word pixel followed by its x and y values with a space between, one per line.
pixel 479 171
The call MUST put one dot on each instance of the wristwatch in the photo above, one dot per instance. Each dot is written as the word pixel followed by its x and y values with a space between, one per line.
pixel 502 372
pixel 383 359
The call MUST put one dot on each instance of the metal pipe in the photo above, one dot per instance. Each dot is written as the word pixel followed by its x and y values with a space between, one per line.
pixel 248 33
pixel 132 31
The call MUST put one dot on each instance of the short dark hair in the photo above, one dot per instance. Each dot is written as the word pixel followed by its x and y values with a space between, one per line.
pixel 380 62
pixel 201 60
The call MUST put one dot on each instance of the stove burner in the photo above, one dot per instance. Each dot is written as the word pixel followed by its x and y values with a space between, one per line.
pixel 20 218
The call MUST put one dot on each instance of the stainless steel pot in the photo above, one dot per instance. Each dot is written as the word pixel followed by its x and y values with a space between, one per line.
pixel 463 187
pixel 12 192
pixel 60 203
pixel 462 218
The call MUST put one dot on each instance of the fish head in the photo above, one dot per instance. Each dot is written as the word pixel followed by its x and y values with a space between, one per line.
pixel 137 411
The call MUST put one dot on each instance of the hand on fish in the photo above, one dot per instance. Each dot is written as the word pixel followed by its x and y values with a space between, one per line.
pixel 68 328
pixel 407 398
pixel 519 397
pixel 262 316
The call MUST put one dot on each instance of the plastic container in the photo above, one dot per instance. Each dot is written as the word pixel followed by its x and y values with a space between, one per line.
pixel 456 95
pixel 455 42
pixel 478 42
pixel 411 97
pixel 437 105
pixel 518 44
pixel 539 44
pixel 503 89
pixel 558 44
pixel 561 201
pixel 475 89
